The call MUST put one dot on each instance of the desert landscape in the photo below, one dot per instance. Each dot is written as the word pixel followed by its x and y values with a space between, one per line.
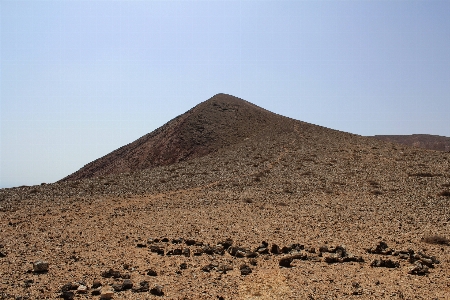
pixel 231 201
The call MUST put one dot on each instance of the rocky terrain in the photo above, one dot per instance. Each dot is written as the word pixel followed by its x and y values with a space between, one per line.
pixel 286 211
pixel 425 141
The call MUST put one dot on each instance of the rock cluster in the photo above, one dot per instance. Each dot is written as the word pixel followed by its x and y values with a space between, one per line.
pixel 421 261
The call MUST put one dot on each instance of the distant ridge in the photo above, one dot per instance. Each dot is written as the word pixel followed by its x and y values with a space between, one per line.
pixel 218 122
pixel 425 141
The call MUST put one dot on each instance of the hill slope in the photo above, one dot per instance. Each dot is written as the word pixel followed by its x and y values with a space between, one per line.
pixel 219 122
pixel 425 141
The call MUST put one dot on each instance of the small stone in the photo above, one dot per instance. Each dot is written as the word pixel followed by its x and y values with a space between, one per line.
pixel 331 259
pixel 143 287
pixel 165 240
pixel 151 272
pixel 240 254
pixel 224 268
pixel 186 252
pixel 183 266
pixel 82 289
pixel 40 267
pixel 106 293
pixel 275 249
pixel 177 241
pixel 208 268
pixel 96 292
pixel 157 250
pixel 251 254
pixel 324 249
pixel 245 270
pixel 198 252
pixel 285 262
pixel 419 269
pixel 385 263
pixel 141 245
pixel 381 248
pixel 190 242
pixel 117 287
pixel 157 291
pixel 69 287
pixel 263 250
pixel 226 243
pixel 127 284
pixel 111 273
pixel 286 249
pixel 67 295
pixel 96 284
pixel 2 254
pixel 340 251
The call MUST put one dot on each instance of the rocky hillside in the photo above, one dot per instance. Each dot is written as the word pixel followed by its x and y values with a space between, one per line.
pixel 219 122
pixel 425 141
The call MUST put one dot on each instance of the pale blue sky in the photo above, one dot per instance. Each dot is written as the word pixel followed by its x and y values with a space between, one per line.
pixel 82 78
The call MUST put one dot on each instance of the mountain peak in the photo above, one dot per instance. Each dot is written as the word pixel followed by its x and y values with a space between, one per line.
pixel 221 121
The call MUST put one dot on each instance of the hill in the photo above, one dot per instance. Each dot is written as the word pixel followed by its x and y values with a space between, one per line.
pixel 280 210
pixel 425 141
pixel 219 122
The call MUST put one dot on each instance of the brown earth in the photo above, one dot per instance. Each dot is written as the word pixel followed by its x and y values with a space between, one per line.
pixel 425 141
pixel 328 197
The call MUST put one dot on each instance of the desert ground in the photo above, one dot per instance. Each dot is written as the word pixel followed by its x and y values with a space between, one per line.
pixel 286 210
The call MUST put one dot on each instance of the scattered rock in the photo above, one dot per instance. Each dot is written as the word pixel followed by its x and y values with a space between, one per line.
pixel 245 270
pixel 157 291
pixel 151 272
pixel 183 266
pixel 381 248
pixel 385 263
pixel 198 252
pixel 127 284
pixel 286 261
pixel 152 240
pixel 156 249
pixel 143 287
pixel 275 249
pixel 226 243
pixel 141 245
pixel 40 267
pixel 263 248
pixel 419 269
pixel 69 287
pixel 82 289
pixel 177 251
pixel 186 252
pixel 177 241
pixel 286 249
pixel 117 287
pixel 2 254
pixel 96 292
pixel 224 268
pixel 96 283
pixel 209 267
pixel 190 242
pixel 111 273
pixel 106 292
pixel 67 295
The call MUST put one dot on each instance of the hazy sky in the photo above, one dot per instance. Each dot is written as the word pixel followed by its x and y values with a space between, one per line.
pixel 82 78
